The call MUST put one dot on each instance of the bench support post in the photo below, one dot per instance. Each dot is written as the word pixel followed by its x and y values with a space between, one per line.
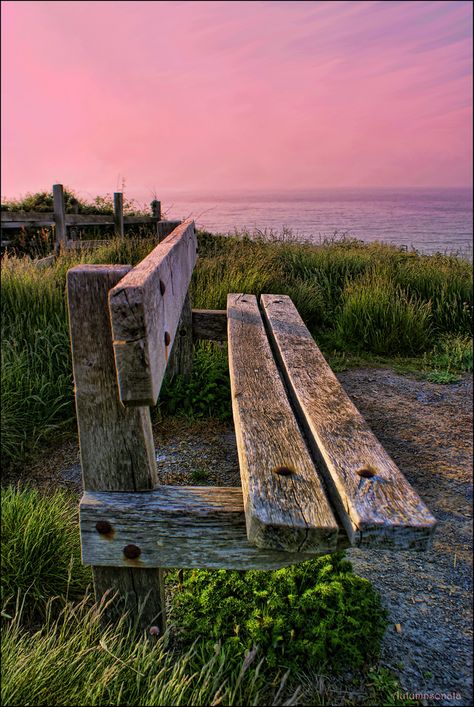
pixel 181 358
pixel 116 443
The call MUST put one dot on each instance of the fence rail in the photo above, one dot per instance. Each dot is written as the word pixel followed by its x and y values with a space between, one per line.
pixel 61 221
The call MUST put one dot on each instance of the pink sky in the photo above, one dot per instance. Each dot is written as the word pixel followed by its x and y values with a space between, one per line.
pixel 245 95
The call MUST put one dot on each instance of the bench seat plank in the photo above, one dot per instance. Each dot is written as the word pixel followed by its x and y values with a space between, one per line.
pixel 145 308
pixel 285 504
pixel 376 504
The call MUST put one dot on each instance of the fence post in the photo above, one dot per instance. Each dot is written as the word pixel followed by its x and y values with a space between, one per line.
pixel 118 214
pixel 59 217
pixel 156 209
pixel 116 442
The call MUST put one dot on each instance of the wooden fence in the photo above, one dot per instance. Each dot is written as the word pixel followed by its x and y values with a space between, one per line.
pixel 62 221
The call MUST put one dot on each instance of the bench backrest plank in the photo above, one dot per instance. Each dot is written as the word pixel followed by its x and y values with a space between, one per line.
pixel 376 503
pixel 285 504
pixel 145 308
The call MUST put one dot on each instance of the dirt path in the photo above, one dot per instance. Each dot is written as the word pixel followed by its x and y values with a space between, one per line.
pixel 427 429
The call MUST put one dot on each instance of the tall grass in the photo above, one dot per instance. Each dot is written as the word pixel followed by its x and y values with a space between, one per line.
pixel 40 549
pixel 73 659
pixel 355 297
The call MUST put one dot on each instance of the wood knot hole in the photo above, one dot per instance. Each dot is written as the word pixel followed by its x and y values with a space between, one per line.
pixel 283 470
pixel 366 472
pixel 131 552
pixel 103 527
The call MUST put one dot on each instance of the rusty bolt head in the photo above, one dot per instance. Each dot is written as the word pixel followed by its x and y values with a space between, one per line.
pixel 131 552
pixel 103 527
pixel 167 338
pixel 162 287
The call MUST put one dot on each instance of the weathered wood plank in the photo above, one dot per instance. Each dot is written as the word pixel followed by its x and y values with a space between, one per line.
pixel 12 216
pixel 118 214
pixel 59 216
pixel 156 209
pixel 117 451
pixel 116 444
pixel 145 308
pixel 374 500
pixel 83 245
pixel 44 262
pixel 16 219
pixel 175 526
pixel 285 504
pixel 210 324
pixel 164 228
pixel 181 357
pixel 30 223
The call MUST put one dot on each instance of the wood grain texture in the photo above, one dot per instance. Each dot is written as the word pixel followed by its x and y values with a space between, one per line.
pixel 16 219
pixel 376 504
pixel 138 591
pixel 145 308
pixel 165 228
pixel 46 262
pixel 284 512
pixel 59 215
pixel 116 444
pixel 118 214
pixel 175 526
pixel 84 245
pixel 210 324
pixel 181 357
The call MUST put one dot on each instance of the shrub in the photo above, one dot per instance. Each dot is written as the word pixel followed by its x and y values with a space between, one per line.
pixel 311 614
pixel 40 549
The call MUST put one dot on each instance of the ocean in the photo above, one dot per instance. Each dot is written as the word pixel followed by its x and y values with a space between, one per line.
pixel 427 220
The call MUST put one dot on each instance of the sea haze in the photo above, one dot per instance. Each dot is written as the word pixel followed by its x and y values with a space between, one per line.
pixel 428 220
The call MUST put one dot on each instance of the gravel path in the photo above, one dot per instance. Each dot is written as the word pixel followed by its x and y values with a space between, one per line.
pixel 427 429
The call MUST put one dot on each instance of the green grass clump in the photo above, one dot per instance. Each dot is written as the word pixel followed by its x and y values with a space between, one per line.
pixel 314 614
pixel 40 549
pixel 378 316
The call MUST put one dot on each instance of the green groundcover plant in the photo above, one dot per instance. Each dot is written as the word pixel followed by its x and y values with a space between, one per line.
pixel 312 614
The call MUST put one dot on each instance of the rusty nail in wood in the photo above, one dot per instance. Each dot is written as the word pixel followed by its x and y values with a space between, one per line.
pixel 131 552
pixel 103 527
pixel 167 338
pixel 162 287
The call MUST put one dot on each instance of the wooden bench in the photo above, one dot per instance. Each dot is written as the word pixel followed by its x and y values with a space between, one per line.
pixel 314 477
